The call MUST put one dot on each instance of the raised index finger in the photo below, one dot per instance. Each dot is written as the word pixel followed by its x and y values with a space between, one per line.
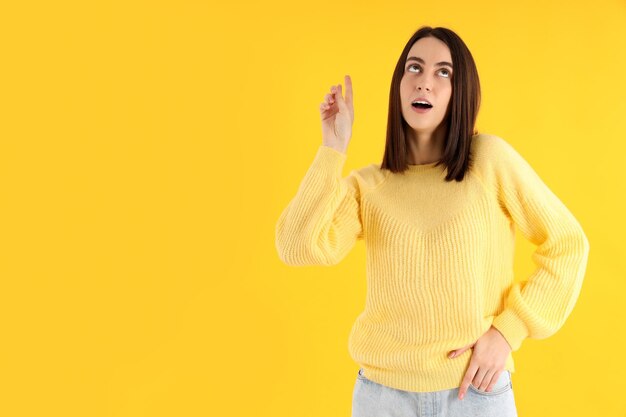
pixel 348 82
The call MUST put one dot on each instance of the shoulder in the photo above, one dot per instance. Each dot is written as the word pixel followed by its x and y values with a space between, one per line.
pixel 495 160
pixel 368 177
pixel 488 147
pixel 500 165
pixel 492 153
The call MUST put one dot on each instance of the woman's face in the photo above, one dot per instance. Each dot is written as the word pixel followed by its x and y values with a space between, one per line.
pixel 427 74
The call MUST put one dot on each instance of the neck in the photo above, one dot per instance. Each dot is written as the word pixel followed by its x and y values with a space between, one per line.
pixel 425 147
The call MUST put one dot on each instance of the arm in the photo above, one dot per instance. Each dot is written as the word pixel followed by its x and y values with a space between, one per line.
pixel 322 222
pixel 539 306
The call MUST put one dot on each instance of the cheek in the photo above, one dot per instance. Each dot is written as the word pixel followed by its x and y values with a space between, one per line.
pixel 403 88
pixel 405 96
pixel 448 96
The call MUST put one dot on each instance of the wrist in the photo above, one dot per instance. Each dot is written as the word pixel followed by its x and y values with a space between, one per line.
pixel 337 148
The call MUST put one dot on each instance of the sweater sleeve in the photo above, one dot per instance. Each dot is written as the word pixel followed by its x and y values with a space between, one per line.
pixel 538 306
pixel 321 224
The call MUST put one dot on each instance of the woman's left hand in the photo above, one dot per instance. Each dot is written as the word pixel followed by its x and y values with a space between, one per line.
pixel 487 361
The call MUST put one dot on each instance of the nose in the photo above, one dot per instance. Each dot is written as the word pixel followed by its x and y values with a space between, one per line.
pixel 424 83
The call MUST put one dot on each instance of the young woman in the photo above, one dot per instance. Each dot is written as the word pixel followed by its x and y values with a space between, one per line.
pixel 442 313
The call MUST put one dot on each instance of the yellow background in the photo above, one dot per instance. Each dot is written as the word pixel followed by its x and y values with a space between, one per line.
pixel 148 148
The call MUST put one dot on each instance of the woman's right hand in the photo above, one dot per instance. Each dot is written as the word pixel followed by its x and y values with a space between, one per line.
pixel 337 116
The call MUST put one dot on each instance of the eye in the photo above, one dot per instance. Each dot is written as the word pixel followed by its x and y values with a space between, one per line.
pixel 447 72
pixel 411 66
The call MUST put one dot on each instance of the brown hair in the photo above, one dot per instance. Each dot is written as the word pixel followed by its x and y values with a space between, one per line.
pixel 465 102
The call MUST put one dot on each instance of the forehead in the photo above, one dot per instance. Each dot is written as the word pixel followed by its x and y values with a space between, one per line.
pixel 431 50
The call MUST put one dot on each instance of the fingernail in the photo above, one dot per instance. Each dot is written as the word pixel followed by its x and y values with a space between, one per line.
pixel 451 355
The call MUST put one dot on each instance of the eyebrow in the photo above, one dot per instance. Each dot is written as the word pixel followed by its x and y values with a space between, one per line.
pixel 420 60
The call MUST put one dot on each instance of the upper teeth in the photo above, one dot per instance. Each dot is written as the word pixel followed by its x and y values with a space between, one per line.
pixel 421 101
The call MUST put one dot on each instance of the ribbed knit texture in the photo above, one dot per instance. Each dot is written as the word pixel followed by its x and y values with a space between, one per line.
pixel 439 257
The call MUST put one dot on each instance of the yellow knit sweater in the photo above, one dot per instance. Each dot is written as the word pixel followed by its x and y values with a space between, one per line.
pixel 439 257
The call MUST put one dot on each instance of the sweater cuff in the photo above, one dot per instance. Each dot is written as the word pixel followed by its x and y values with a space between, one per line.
pixel 330 160
pixel 512 328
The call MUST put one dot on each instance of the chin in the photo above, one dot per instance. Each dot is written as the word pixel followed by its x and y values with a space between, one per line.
pixel 424 127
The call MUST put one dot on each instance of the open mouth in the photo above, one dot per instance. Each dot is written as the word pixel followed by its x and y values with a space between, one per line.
pixel 421 105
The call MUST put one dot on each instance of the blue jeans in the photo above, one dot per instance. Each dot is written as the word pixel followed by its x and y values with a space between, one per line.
pixel 371 399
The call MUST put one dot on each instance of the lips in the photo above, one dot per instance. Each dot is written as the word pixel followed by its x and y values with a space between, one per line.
pixel 419 102
pixel 421 99
pixel 421 109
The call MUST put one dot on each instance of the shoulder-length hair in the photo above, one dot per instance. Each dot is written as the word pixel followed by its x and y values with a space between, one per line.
pixel 465 102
